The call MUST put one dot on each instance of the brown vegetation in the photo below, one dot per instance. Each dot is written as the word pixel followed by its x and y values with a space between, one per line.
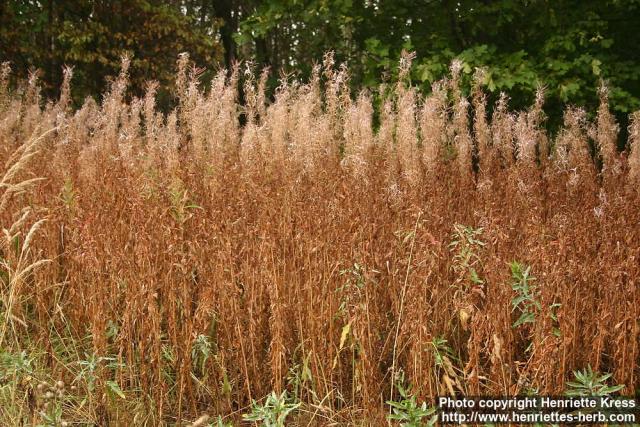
pixel 209 262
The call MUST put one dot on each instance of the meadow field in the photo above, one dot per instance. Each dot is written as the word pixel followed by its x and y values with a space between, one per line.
pixel 315 257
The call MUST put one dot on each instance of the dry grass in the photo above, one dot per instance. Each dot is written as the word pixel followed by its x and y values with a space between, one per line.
pixel 195 264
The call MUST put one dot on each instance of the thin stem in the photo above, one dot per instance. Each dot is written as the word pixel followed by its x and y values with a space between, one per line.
pixel 402 296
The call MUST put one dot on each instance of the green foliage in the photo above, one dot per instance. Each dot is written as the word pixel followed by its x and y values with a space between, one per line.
pixel 89 373
pixel 590 383
pixel 220 423
pixel 355 278
pixel 443 354
pixel 407 411
pixel 114 390
pixel 273 412
pixel 92 36
pixel 181 205
pixel 525 301
pixel 14 365
pixel 567 46
pixel 200 353
pixel 465 244
pixel 555 325
pixel 18 373
pixel 352 290
pixel 300 377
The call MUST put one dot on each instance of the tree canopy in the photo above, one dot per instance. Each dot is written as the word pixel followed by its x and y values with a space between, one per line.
pixel 566 45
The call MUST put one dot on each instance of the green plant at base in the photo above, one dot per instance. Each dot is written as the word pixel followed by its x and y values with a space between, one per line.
pixel 590 383
pixel 89 374
pixel 200 353
pixel 14 365
pixel 300 377
pixel 273 412
pixel 525 302
pixel 407 411
pixel 220 423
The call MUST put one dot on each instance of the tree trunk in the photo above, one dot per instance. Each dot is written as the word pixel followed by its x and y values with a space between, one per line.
pixel 225 10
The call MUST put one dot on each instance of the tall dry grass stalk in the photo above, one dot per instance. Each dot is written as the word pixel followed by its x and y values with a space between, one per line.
pixel 309 249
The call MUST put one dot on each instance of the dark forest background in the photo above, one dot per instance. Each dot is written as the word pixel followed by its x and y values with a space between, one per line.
pixel 569 46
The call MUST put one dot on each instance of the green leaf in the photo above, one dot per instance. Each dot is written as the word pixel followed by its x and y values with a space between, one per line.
pixel 115 389
pixel 595 67
pixel 524 318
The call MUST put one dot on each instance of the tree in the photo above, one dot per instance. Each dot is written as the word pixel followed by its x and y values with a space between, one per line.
pixel 92 35
pixel 566 45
